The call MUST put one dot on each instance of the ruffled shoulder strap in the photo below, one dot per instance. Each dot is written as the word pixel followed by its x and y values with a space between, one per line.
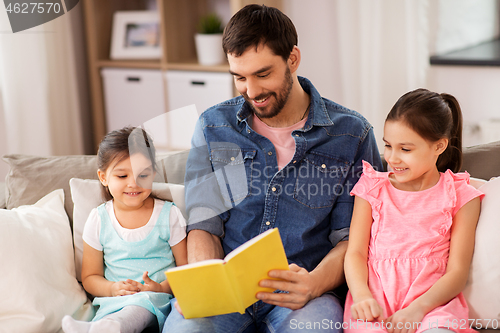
pixel 458 177
pixel 452 181
pixel 370 172
pixel 370 180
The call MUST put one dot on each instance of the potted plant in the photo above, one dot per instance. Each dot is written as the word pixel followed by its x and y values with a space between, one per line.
pixel 209 40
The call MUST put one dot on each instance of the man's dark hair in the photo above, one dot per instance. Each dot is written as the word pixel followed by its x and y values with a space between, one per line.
pixel 258 24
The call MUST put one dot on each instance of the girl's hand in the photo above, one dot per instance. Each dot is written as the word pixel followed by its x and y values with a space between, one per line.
pixel 150 285
pixel 406 320
pixel 367 309
pixel 122 288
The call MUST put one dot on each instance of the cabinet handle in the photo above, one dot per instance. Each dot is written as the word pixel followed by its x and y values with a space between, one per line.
pixel 198 83
pixel 134 79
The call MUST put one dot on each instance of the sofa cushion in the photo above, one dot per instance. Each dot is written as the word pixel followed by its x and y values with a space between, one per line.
pixel 86 195
pixel 37 283
pixel 32 177
pixel 482 291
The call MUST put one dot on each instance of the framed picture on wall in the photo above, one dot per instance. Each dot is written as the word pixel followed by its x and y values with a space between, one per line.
pixel 135 35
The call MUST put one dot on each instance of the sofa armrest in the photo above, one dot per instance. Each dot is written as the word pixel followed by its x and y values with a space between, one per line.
pixel 2 195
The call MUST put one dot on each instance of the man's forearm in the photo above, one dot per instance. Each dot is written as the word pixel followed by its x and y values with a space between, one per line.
pixel 329 274
pixel 202 245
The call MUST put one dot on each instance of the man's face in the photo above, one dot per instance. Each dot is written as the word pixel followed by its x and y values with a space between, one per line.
pixel 263 79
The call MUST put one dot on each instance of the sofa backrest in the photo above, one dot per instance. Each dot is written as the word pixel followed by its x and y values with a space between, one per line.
pixel 482 161
pixel 32 177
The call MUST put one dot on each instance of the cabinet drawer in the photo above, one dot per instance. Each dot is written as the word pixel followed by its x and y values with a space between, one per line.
pixel 188 88
pixel 132 96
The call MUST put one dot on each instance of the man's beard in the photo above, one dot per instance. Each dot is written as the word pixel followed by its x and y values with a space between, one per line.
pixel 281 98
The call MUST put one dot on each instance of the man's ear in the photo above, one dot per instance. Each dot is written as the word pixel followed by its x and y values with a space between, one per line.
pixel 294 59
pixel 102 177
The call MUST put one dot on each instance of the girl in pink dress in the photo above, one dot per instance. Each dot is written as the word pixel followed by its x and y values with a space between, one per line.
pixel 412 231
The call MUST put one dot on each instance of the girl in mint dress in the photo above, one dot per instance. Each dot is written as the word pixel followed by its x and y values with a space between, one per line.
pixel 412 230
pixel 129 241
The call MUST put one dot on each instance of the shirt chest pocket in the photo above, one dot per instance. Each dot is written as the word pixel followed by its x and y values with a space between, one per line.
pixel 233 170
pixel 320 180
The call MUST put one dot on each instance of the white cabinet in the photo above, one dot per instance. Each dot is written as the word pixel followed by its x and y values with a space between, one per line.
pixel 132 96
pixel 189 94
pixel 136 97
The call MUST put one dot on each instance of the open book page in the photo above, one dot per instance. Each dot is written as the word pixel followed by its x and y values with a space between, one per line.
pixel 214 287
pixel 203 289
pixel 251 262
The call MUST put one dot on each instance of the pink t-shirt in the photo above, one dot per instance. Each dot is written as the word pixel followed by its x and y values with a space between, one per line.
pixel 281 137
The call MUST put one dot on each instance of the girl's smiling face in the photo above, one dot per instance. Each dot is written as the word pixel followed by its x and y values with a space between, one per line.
pixel 129 181
pixel 411 157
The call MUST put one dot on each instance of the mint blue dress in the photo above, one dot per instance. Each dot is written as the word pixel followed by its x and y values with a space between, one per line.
pixel 129 260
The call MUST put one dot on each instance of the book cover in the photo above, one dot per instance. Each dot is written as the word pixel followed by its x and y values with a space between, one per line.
pixel 220 286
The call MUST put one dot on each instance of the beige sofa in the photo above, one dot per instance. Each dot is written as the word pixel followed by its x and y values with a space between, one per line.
pixel 39 280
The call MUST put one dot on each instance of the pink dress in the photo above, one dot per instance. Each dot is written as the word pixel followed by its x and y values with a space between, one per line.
pixel 409 245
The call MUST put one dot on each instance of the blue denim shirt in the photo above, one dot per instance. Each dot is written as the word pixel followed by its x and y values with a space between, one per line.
pixel 235 190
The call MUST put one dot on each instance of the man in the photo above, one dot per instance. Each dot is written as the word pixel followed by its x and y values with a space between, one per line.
pixel 298 155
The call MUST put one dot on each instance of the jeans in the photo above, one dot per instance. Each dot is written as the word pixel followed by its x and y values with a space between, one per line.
pixel 319 315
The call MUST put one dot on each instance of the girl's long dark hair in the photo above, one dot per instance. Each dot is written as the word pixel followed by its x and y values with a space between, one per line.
pixel 433 116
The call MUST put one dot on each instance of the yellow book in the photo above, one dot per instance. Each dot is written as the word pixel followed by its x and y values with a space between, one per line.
pixel 220 286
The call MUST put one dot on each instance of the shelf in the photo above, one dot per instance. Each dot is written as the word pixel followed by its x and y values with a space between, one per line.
pixel 484 54
pixel 139 64
pixel 195 66
pixel 178 20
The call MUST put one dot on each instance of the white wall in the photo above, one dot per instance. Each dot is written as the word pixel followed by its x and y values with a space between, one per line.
pixel 450 25
pixel 477 90
pixel 459 24
pixel 316 27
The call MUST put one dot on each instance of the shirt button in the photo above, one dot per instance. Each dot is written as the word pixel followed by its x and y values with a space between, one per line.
pixel 269 153
pixel 248 131
pixel 232 158
pixel 296 135
pixel 294 161
pixel 323 166
pixel 268 223
pixel 274 189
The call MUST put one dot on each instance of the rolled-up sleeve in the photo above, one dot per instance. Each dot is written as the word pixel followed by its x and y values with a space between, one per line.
pixel 342 210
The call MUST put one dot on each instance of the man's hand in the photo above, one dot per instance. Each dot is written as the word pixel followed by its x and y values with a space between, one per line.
pixel 178 307
pixel 297 282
